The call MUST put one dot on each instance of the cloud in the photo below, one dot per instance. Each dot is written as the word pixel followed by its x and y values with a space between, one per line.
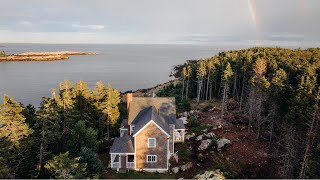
pixel 166 21
pixel 89 27
pixel 26 23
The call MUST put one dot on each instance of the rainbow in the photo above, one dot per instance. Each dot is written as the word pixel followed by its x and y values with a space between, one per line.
pixel 253 11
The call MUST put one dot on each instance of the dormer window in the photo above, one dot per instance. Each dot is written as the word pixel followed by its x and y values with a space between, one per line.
pixel 132 127
pixel 152 142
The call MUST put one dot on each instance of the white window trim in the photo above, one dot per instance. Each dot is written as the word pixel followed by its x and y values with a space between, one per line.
pixel 132 128
pixel 156 158
pixel 155 143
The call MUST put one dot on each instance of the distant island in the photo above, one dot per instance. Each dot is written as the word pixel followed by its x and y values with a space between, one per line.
pixel 40 56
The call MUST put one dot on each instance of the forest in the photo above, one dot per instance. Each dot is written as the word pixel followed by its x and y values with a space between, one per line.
pixel 276 89
pixel 61 138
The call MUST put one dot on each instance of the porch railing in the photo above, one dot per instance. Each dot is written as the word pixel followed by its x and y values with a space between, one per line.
pixel 130 164
pixel 178 138
pixel 116 164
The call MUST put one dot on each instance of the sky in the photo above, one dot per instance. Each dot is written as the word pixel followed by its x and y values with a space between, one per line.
pixel 237 22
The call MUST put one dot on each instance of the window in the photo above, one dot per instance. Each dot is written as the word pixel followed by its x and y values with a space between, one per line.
pixel 151 142
pixel 130 158
pixel 151 158
pixel 117 158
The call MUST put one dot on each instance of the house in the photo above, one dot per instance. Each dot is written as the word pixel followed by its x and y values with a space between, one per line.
pixel 148 135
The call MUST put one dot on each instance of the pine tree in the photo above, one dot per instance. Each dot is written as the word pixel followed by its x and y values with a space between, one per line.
pixel 257 95
pixel 50 126
pixel 227 74
pixel 62 167
pixel 82 137
pixel 183 74
pixel 201 73
pixel 13 125
pixel 188 74
pixel 13 129
pixel 111 109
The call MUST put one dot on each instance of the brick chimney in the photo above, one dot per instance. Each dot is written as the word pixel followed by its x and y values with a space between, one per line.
pixel 129 99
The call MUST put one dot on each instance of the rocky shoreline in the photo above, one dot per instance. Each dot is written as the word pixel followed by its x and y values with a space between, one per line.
pixel 41 56
pixel 149 92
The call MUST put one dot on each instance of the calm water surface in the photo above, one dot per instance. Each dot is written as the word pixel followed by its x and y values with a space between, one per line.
pixel 125 67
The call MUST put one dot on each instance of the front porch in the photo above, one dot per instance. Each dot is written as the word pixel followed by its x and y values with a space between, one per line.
pixel 122 161
pixel 178 135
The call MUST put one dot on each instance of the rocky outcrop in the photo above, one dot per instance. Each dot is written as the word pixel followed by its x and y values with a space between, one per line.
pixel 199 137
pixel 175 170
pixel 205 144
pixel 41 56
pixel 186 166
pixel 222 143
pixel 214 175
pixel 184 120
pixel 188 136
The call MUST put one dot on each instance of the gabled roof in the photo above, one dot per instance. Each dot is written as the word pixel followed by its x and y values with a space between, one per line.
pixel 148 114
pixel 124 124
pixel 179 124
pixel 122 144
pixel 165 105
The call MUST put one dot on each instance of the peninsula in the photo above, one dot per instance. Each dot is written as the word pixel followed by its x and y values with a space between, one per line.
pixel 40 56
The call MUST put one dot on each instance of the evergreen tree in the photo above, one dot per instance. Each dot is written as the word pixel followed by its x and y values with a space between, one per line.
pixel 94 165
pixel 62 167
pixel 201 73
pixel 227 74
pixel 82 137
pixel 13 130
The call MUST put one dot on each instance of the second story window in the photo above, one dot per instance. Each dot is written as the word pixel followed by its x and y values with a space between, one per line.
pixel 152 142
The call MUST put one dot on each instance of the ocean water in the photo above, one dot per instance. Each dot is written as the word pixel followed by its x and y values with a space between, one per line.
pixel 125 67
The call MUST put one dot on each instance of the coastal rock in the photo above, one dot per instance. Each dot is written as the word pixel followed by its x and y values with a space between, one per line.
pixel 175 170
pixel 188 136
pixel 209 135
pixel 185 114
pixel 186 166
pixel 204 144
pixel 184 120
pixel 214 175
pixel 199 137
pixel 222 142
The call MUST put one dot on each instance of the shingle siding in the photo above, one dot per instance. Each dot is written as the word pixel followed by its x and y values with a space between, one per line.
pixel 142 149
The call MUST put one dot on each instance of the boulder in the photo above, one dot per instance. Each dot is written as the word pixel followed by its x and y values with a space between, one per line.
pixel 185 114
pixel 199 137
pixel 209 135
pixel 189 165
pixel 186 166
pixel 204 144
pixel 188 136
pixel 191 112
pixel 205 130
pixel 184 120
pixel 175 170
pixel 222 142
pixel 214 175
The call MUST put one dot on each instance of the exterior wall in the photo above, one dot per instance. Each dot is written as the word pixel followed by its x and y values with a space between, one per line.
pixel 142 149
pixel 171 143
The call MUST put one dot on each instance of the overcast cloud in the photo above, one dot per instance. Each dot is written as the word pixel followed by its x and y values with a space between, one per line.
pixel 278 22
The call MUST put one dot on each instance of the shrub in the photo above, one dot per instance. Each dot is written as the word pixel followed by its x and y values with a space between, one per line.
pixel 194 122
pixel 207 108
pixel 184 153
pixel 184 105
